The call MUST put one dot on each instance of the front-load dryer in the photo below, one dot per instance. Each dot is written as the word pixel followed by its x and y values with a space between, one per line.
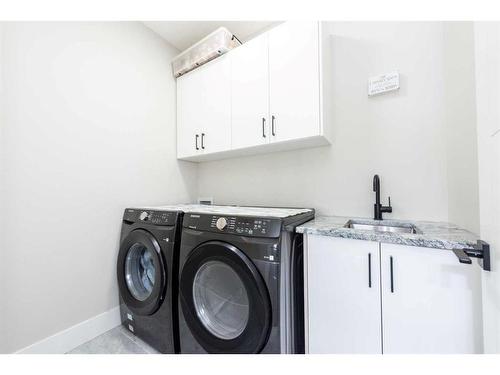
pixel 240 286
pixel 147 275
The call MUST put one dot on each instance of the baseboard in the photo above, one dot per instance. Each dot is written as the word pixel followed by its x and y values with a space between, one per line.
pixel 64 341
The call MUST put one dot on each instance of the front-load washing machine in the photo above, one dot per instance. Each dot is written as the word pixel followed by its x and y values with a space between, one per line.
pixel 240 285
pixel 147 275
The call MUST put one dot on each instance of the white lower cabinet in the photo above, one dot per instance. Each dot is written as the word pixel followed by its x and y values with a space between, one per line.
pixel 421 300
pixel 433 304
pixel 343 304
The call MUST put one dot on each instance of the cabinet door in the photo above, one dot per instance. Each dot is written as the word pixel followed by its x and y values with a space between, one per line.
pixel 250 93
pixel 189 102
pixel 294 81
pixel 431 303
pixel 342 303
pixel 214 114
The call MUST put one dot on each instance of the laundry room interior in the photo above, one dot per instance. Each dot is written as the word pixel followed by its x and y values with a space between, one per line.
pixel 249 187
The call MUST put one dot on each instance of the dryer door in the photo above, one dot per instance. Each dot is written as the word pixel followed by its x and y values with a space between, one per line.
pixel 224 299
pixel 141 272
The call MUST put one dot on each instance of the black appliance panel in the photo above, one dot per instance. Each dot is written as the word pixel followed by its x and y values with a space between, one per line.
pixel 156 217
pixel 264 249
pixel 239 225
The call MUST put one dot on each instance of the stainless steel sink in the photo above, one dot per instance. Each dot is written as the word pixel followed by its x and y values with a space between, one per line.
pixel 383 227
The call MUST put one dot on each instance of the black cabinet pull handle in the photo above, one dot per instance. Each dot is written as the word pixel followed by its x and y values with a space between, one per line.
pixel 273 132
pixel 202 141
pixel 263 127
pixel 369 270
pixel 196 142
pixel 392 276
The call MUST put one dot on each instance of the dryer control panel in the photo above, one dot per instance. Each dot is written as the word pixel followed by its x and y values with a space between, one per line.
pixel 150 216
pixel 240 225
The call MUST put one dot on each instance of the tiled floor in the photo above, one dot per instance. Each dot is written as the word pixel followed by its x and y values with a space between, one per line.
pixel 115 341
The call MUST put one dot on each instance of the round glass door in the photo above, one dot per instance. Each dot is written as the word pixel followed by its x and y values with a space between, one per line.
pixel 140 271
pixel 221 300
pixel 224 299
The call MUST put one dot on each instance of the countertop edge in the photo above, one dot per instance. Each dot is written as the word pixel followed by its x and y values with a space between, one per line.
pixel 437 235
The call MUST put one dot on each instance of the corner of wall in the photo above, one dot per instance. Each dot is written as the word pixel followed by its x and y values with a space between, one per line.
pixel 188 170
pixel 461 125
pixel 2 263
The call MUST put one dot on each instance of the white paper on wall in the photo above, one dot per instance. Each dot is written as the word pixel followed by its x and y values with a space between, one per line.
pixel 383 83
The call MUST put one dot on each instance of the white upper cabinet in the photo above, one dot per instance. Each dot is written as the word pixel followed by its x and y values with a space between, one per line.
pixel 189 102
pixel 250 94
pixel 266 95
pixel 216 106
pixel 294 80
pixel 204 110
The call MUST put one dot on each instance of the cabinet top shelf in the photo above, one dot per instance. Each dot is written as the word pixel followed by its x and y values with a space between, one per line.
pixel 438 235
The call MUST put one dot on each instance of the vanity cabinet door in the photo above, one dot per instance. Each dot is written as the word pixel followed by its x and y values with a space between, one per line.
pixel 342 295
pixel 431 303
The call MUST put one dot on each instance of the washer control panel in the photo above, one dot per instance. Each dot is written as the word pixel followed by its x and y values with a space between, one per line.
pixel 150 216
pixel 245 226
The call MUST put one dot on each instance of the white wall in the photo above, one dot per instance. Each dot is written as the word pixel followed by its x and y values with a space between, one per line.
pixel 487 53
pixel 2 260
pixel 460 122
pixel 89 129
pixel 402 136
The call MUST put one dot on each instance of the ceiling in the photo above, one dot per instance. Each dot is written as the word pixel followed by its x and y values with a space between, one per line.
pixel 183 34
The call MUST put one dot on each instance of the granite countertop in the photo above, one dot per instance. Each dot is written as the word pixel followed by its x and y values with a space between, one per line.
pixel 438 235
pixel 233 210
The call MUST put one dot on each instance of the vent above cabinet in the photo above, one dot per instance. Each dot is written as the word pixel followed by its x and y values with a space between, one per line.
pixel 207 49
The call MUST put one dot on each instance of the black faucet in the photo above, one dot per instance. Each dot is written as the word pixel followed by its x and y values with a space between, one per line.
pixel 378 209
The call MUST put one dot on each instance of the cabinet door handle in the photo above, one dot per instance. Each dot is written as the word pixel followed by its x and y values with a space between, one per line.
pixel 263 127
pixel 202 141
pixel 196 142
pixel 273 132
pixel 392 275
pixel 369 270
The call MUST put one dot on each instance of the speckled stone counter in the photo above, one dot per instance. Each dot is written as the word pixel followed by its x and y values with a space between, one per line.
pixel 438 235
pixel 232 210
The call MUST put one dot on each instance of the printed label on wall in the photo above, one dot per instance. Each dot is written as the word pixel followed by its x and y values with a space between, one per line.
pixel 383 83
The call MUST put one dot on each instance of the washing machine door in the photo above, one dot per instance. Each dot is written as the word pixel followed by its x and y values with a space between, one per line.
pixel 141 272
pixel 224 299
